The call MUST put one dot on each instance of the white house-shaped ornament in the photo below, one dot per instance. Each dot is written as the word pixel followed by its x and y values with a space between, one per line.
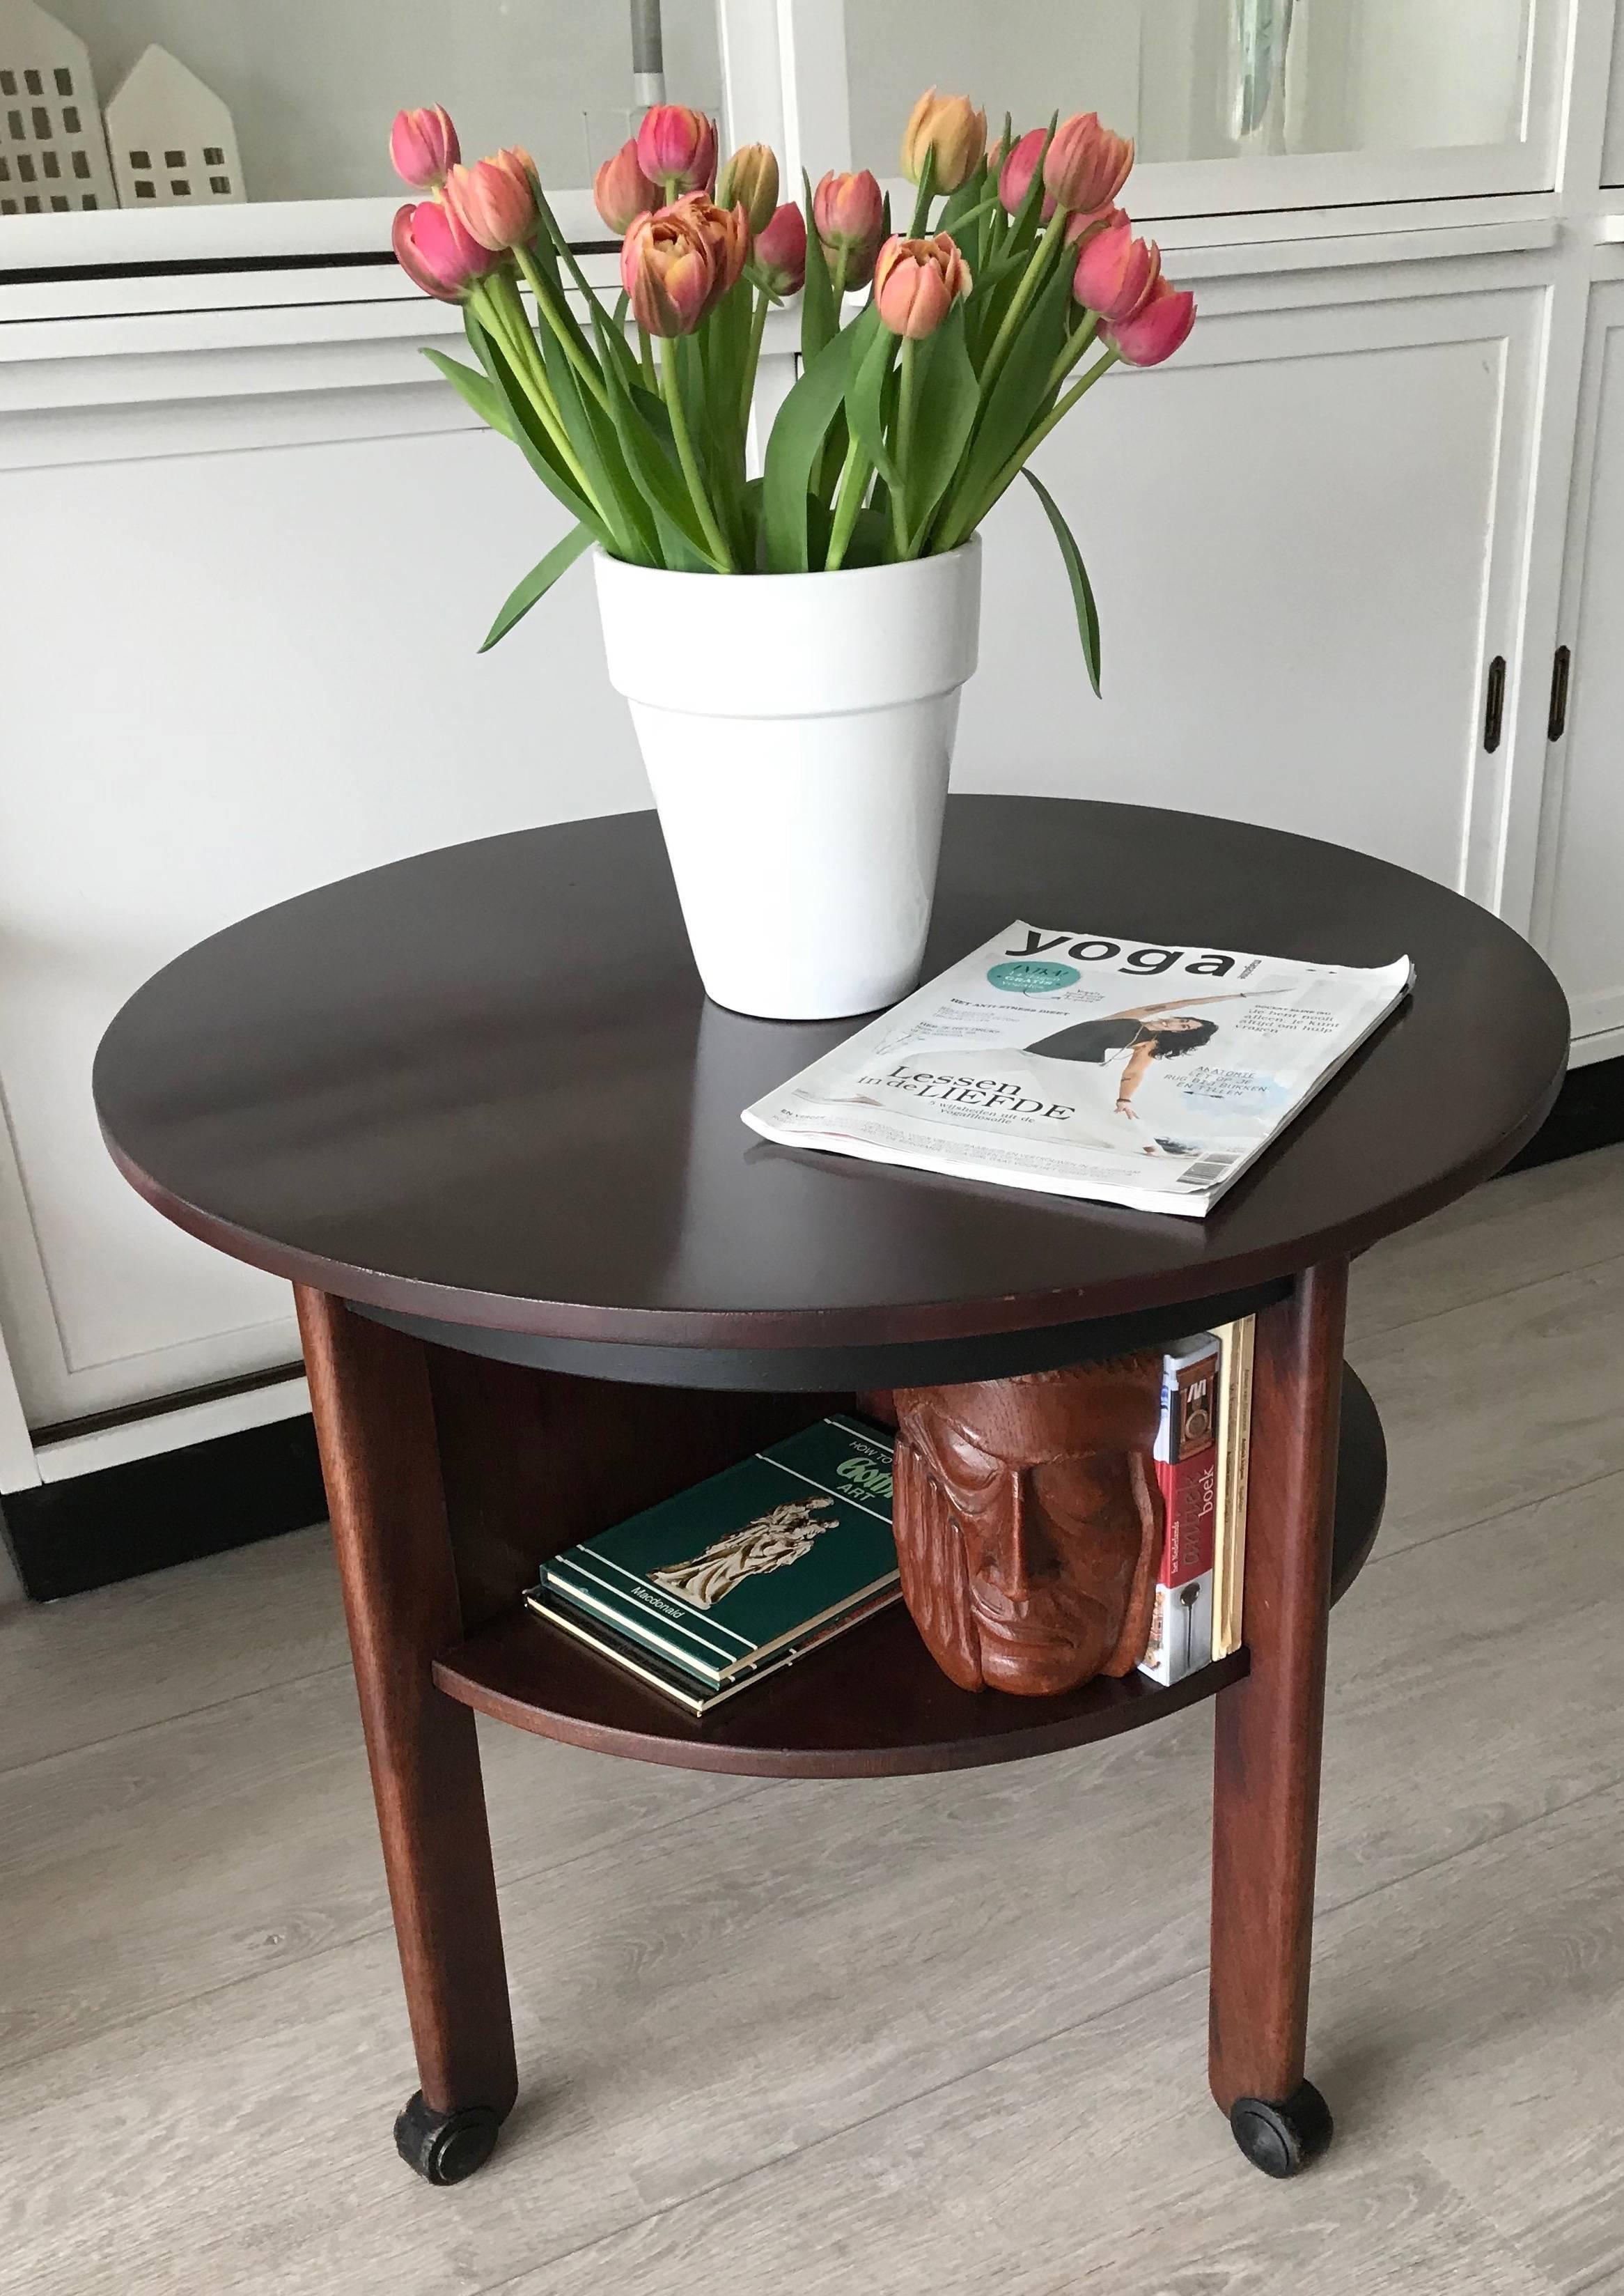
pixel 171 138
pixel 52 158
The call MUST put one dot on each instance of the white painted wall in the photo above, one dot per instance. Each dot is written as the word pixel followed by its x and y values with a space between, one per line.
pixel 313 83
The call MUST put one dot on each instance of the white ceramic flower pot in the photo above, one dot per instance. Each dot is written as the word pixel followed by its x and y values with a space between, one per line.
pixel 798 731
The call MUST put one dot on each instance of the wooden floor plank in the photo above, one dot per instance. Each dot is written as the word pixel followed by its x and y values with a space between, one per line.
pixel 1522 1229
pixel 1472 2028
pixel 917 2034
pixel 173 1643
pixel 1488 1406
pixel 703 2000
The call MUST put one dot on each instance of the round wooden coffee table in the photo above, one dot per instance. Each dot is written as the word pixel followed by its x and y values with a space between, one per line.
pixel 476 1106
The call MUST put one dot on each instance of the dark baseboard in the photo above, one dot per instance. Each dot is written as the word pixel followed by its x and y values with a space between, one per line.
pixel 117 1522
pixel 122 1521
pixel 1589 1113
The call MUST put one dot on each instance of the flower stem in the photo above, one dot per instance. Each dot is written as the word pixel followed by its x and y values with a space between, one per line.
pixel 901 450
pixel 1073 350
pixel 1012 469
pixel 1037 270
pixel 715 540
pixel 848 501
pixel 523 356
pixel 924 196
pixel 585 366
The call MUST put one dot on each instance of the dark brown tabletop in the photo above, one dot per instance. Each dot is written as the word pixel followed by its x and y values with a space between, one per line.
pixel 483 1086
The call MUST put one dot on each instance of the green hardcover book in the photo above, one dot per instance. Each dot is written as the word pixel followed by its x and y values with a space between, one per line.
pixel 663 1675
pixel 718 1578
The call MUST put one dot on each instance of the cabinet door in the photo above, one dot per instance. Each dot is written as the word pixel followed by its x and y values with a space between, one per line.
pixel 1306 536
pixel 1579 912
pixel 1234 105
pixel 250 666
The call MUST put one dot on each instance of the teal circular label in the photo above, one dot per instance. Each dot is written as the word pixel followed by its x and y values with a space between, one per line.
pixel 1030 979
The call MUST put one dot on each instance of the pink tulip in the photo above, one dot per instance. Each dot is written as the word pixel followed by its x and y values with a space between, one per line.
pixel 917 282
pixel 1157 328
pixel 750 180
pixel 1079 227
pixel 677 264
pixel 676 148
pixel 437 254
pixel 423 146
pixel 1086 165
pixel 849 212
pixel 495 200
pixel 1116 273
pixel 621 192
pixel 949 131
pixel 780 252
pixel 1017 168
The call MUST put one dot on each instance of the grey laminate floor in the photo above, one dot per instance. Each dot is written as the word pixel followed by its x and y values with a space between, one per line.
pixel 924 2034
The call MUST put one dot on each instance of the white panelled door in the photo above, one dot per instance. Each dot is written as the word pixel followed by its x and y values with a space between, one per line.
pixel 1307 536
pixel 1580 908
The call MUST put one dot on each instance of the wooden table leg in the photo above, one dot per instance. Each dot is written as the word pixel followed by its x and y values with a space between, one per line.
pixel 368 1387
pixel 1266 1776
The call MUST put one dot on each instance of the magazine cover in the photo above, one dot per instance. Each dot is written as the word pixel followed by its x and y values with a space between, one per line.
pixel 1089 1065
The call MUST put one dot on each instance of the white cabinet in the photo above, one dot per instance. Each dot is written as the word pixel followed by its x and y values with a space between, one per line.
pixel 1306 536
pixel 1580 901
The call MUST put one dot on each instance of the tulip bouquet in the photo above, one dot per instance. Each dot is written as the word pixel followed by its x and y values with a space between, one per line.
pixel 1018 284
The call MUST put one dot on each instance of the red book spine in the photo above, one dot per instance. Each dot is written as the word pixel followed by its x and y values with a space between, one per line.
pixel 1186 1474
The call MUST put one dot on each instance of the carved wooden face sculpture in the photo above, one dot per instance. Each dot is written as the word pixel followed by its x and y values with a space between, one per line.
pixel 1029 1523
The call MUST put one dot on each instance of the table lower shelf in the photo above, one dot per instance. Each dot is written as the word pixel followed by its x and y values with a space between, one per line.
pixel 874 1704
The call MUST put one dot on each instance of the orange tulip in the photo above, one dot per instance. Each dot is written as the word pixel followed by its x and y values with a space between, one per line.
pixel 494 200
pixel 849 212
pixel 949 130
pixel 1086 164
pixel 621 192
pixel 677 264
pixel 917 282
pixel 750 180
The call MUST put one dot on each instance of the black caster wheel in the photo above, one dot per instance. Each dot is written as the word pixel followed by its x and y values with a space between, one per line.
pixel 445 2147
pixel 1282 2140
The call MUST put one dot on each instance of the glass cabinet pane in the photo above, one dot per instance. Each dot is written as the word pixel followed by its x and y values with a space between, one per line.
pixel 292 99
pixel 1206 79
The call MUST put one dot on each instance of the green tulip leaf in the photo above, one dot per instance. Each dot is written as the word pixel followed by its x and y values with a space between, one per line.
pixel 1077 574
pixel 866 402
pixel 944 415
pixel 1018 397
pixel 477 390
pixel 537 582
pixel 527 433
pixel 819 313
pixel 793 451
pixel 650 459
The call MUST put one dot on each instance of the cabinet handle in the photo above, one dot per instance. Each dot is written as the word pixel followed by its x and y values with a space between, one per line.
pixel 1494 707
pixel 1556 724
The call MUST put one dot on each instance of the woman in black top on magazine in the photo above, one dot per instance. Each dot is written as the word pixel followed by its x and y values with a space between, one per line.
pixel 1145 1032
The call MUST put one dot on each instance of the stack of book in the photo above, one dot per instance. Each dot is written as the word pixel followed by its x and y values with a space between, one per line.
pixel 722 1585
pixel 1203 1453
pixel 795 1541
